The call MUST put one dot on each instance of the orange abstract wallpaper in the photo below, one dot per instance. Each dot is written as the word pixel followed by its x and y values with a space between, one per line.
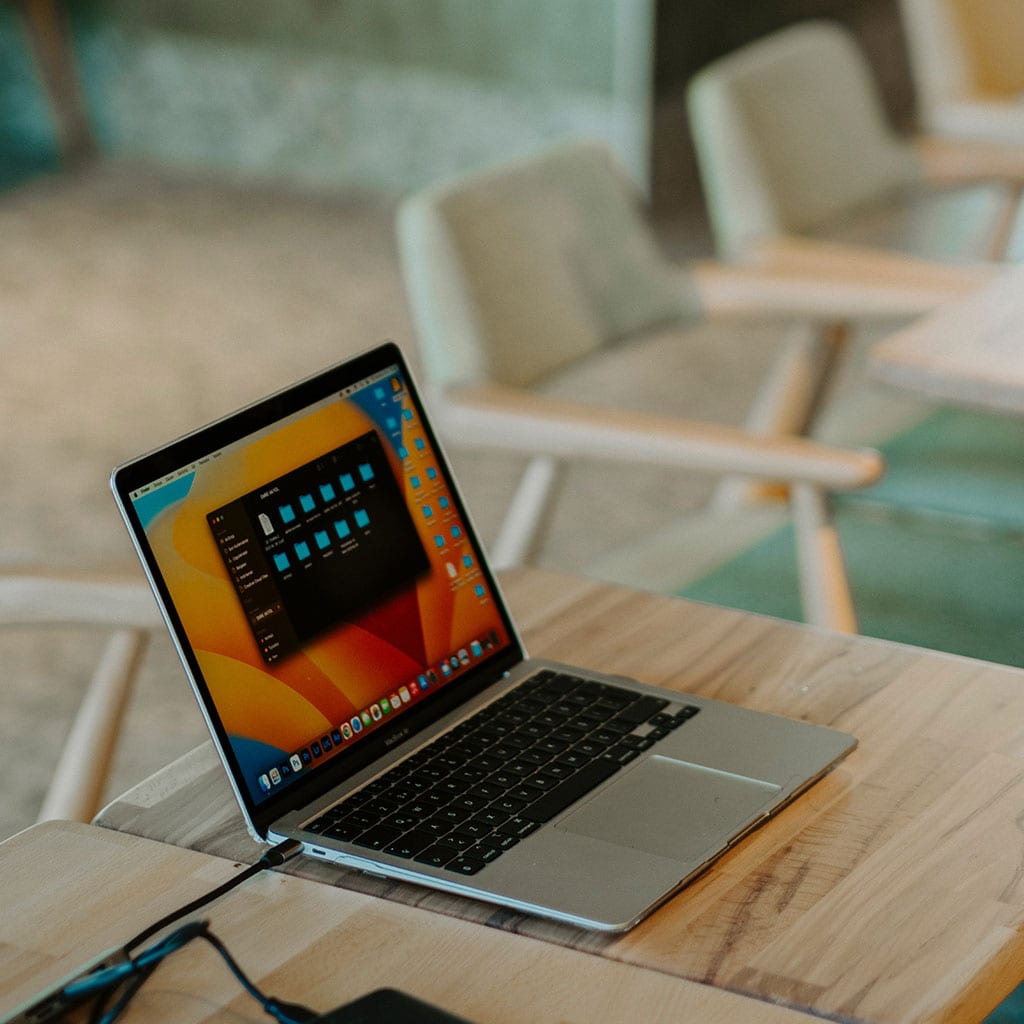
pixel 412 640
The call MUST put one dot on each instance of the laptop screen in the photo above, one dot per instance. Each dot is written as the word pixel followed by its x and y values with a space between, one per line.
pixel 323 575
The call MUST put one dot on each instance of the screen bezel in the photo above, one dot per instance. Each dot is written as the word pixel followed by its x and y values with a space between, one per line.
pixel 215 436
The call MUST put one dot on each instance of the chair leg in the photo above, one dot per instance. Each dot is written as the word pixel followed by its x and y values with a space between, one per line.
pixel 824 585
pixel 525 518
pixel 1003 235
pixel 81 773
pixel 787 402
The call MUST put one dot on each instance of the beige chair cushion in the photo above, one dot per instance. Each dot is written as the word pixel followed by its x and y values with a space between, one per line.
pixel 790 132
pixel 951 225
pixel 552 259
pixel 709 371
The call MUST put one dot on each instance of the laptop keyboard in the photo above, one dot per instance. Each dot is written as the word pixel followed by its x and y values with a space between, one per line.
pixel 482 787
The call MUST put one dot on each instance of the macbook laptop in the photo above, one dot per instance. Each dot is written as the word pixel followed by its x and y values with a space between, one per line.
pixel 367 691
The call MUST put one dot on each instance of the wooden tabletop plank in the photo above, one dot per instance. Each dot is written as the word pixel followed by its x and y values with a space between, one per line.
pixel 968 352
pixel 891 891
pixel 71 892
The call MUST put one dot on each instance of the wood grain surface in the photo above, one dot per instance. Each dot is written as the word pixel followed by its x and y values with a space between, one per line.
pixel 969 352
pixel 893 890
pixel 305 943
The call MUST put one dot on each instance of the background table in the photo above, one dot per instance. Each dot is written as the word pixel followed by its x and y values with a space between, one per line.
pixel 893 890
pixel 70 892
pixel 969 352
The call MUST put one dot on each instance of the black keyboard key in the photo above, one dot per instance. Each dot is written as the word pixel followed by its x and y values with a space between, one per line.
pixel 642 710
pixel 568 792
pixel 465 865
pixel 497 842
pixel 487 763
pixel 436 828
pixel 380 808
pixel 402 820
pixel 570 734
pixel 537 756
pixel 489 790
pixel 437 855
pixel 517 742
pixel 560 683
pixel 637 742
pixel 594 714
pixel 686 713
pixel 534 729
pixel 434 798
pixel 344 832
pixel 522 793
pixel 548 746
pixel 509 805
pixel 379 837
pixel 517 828
pixel 453 815
pixel 459 841
pixel 618 726
pixel 542 782
pixel 451 787
pixel 615 700
pixel 410 844
pixel 359 817
pixel 620 755
pixel 571 759
pixel 469 802
pixel 490 817
pixel 473 829
pixel 506 779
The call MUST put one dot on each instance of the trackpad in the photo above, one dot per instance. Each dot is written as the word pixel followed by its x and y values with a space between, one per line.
pixel 671 808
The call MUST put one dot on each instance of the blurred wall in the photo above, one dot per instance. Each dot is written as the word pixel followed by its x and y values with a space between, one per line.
pixel 377 93
pixel 388 94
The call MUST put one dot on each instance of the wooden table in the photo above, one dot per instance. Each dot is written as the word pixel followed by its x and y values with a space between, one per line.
pixel 969 352
pixel 892 891
pixel 70 892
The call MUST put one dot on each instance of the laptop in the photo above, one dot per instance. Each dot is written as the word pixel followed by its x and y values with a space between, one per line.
pixel 368 693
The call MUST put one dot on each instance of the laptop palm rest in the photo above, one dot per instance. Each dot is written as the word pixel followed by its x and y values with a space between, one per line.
pixel 671 808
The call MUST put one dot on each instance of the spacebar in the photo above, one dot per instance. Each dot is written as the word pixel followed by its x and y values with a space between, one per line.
pixel 568 792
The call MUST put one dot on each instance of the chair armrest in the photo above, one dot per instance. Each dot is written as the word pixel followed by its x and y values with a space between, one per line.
pixel 990 118
pixel 961 161
pixel 537 424
pixel 44 596
pixel 803 277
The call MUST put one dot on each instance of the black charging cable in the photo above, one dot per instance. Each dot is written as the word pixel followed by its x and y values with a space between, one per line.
pixel 121 981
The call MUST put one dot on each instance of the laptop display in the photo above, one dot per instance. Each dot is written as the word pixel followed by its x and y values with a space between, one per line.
pixel 324 574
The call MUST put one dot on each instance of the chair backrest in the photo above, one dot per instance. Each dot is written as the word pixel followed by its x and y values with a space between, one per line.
pixel 513 272
pixel 964 48
pixel 790 132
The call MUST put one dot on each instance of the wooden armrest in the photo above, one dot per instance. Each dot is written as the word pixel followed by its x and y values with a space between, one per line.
pixel 983 117
pixel 798 276
pixel 528 422
pixel 952 161
pixel 31 597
